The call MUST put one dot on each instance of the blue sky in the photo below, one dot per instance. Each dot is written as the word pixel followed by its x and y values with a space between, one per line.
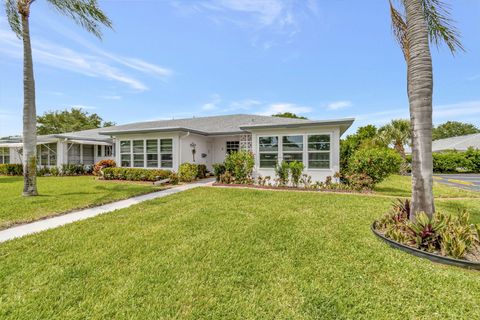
pixel 165 59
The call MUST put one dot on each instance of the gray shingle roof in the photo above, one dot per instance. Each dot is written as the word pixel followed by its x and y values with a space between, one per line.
pixel 214 125
pixel 461 143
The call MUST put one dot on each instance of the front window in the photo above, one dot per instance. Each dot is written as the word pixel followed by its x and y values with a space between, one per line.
pixel 292 148
pixel 108 151
pixel 166 153
pixel 4 155
pixel 152 153
pixel 47 154
pixel 138 153
pixel 233 146
pixel 319 151
pixel 126 153
pixel 268 151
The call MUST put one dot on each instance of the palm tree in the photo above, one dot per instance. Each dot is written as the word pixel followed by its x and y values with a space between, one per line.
pixel 398 134
pixel 84 12
pixel 419 23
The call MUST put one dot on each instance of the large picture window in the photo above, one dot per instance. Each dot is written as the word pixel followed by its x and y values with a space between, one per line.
pixel 126 153
pixel 319 151
pixel 152 153
pixel 166 153
pixel 138 153
pixel 292 148
pixel 268 151
pixel 4 155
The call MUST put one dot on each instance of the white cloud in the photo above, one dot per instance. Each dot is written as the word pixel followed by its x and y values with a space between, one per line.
pixel 336 105
pixel 213 103
pixel 98 63
pixel 284 107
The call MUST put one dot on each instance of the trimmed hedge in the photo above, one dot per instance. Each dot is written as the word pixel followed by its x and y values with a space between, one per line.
pixel 135 174
pixel 11 169
pixel 187 172
pixel 454 161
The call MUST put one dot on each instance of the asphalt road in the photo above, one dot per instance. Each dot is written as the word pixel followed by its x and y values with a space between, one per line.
pixel 464 181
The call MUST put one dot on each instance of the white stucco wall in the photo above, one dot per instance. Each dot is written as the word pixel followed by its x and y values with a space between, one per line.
pixel 316 174
pixel 203 146
pixel 220 147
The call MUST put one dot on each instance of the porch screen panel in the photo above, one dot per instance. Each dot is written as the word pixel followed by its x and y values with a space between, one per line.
pixel 88 154
pixel 74 154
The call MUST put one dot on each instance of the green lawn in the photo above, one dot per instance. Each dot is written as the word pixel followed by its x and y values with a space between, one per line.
pixel 401 186
pixel 59 194
pixel 230 254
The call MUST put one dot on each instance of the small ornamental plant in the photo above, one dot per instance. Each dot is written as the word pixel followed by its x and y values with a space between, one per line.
pixel 446 235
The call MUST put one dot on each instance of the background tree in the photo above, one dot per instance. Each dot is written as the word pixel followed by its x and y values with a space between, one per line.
pixel 364 137
pixel 288 115
pixel 84 12
pixel 418 23
pixel 69 120
pixel 453 129
pixel 398 134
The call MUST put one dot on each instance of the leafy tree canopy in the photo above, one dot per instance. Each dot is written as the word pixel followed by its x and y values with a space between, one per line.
pixel 288 115
pixel 69 120
pixel 453 129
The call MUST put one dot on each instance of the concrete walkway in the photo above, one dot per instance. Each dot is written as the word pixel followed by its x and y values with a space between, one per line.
pixel 50 223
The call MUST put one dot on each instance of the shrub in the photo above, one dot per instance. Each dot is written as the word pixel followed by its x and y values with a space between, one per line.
pixel 74 169
pixel 282 172
pixel 187 172
pixel 360 182
pixel 296 170
pixel 451 161
pixel 103 164
pixel 218 170
pixel 202 171
pixel 11 169
pixel 473 155
pixel 135 174
pixel 377 163
pixel 174 178
pixel 240 165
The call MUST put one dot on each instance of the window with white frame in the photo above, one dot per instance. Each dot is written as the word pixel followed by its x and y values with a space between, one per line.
pixel 268 151
pixel 4 155
pixel 138 147
pixel 152 153
pixel 319 151
pixel 99 151
pixel 126 153
pixel 166 153
pixel 108 151
pixel 292 147
pixel 233 146
pixel 47 154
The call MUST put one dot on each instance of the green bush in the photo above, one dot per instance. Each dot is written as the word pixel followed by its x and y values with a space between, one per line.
pixel 11 169
pixel 135 174
pixel 187 172
pixel 473 155
pixel 282 172
pixel 240 165
pixel 103 164
pixel 296 170
pixel 377 163
pixel 202 171
pixel 74 169
pixel 174 178
pixel 451 162
pixel 218 170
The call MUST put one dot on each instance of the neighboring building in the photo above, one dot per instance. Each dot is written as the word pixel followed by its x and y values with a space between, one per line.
pixel 461 143
pixel 207 140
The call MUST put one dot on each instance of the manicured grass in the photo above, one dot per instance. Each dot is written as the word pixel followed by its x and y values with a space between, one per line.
pixel 230 254
pixel 59 194
pixel 401 186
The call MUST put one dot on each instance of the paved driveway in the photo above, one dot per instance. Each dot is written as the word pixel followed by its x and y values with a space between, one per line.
pixel 464 181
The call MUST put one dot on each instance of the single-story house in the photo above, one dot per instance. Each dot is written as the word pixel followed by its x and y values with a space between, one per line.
pixel 166 144
pixel 460 143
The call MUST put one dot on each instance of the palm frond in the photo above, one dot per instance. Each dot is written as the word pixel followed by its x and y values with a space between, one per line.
pixel 399 28
pixel 11 9
pixel 86 13
pixel 441 27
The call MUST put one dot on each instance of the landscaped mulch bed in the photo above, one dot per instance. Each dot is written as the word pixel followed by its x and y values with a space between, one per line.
pixel 286 188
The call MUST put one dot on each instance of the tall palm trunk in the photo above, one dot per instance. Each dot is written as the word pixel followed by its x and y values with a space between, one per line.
pixel 29 111
pixel 420 90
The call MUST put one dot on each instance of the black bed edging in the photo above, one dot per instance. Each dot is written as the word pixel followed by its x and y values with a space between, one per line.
pixel 427 255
